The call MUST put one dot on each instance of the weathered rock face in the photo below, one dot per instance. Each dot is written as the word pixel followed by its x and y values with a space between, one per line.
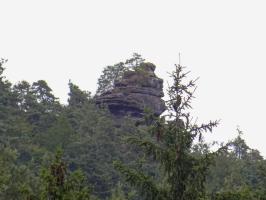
pixel 136 91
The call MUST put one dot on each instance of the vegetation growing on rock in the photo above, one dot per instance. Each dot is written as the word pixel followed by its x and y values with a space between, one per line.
pixel 167 164
pixel 135 91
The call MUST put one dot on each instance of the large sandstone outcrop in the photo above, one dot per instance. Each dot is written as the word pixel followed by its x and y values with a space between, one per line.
pixel 136 91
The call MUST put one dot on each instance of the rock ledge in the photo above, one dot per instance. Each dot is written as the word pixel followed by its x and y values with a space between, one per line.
pixel 136 91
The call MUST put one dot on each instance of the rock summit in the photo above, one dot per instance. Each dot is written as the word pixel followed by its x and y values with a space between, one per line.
pixel 136 91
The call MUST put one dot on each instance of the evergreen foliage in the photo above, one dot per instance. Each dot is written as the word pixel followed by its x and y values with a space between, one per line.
pixel 237 172
pixel 164 162
pixel 59 184
pixel 184 174
pixel 77 97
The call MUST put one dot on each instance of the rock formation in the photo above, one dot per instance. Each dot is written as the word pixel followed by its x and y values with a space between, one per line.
pixel 136 91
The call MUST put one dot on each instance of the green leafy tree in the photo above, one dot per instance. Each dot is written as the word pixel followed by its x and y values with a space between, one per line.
pixel 7 98
pixel 43 92
pixel 46 108
pixel 26 98
pixel 8 108
pixel 184 174
pixel 77 97
pixel 236 172
pixel 37 104
pixel 113 73
pixel 239 146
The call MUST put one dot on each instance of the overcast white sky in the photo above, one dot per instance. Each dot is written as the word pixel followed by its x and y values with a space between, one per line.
pixel 222 42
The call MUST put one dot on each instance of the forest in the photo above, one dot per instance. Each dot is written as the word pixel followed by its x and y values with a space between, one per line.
pixel 83 151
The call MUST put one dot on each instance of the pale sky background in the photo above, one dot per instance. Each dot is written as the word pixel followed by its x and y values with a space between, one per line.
pixel 222 42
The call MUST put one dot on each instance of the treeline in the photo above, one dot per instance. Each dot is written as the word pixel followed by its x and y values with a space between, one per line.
pixel 80 151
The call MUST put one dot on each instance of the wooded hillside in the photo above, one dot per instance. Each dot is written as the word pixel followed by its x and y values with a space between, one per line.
pixel 82 150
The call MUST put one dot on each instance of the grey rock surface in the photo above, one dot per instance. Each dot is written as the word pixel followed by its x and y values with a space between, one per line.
pixel 136 91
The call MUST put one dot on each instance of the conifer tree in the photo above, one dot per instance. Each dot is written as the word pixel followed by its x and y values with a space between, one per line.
pixel 183 173
pixel 60 184
pixel 8 105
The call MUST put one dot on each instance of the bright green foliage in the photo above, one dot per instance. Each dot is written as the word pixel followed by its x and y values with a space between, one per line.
pixel 184 174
